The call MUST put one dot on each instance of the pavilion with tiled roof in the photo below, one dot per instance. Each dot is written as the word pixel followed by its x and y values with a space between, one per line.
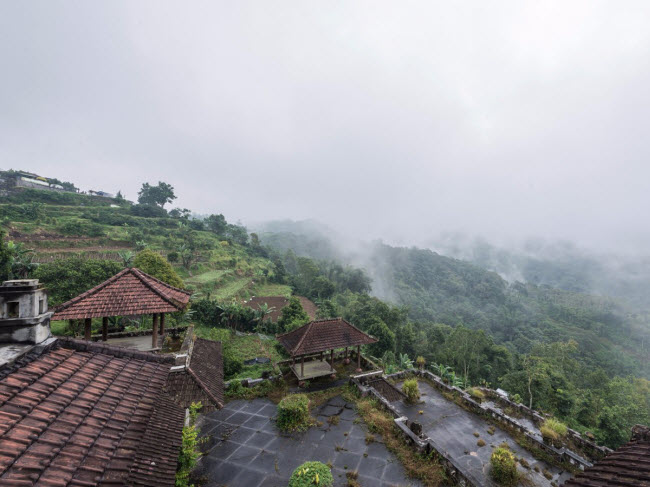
pixel 82 413
pixel 318 337
pixel 628 466
pixel 130 292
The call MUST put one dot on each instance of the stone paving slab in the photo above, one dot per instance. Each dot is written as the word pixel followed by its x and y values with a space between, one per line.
pixel 452 430
pixel 245 448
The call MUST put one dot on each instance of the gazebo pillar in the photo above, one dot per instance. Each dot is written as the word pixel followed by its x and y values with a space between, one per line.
pixel 358 358
pixel 154 331
pixel 105 328
pixel 332 360
pixel 347 360
pixel 162 323
pixel 302 367
pixel 87 323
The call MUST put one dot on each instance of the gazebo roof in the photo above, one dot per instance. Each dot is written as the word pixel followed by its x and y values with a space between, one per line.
pixel 322 335
pixel 129 292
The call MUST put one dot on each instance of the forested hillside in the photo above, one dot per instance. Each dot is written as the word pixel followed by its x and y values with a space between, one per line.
pixel 578 356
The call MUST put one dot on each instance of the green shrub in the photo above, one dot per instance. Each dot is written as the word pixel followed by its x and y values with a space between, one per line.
pixel 411 390
pixel 476 393
pixel 311 474
pixel 293 413
pixel 189 448
pixel 157 266
pixel 504 467
pixel 81 229
pixel 553 430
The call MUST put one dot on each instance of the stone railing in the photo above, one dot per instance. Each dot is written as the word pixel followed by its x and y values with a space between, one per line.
pixel 590 449
pixel 559 455
pixel 420 443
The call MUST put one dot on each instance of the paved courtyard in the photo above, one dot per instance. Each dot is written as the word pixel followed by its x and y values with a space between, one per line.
pixel 244 448
pixel 452 429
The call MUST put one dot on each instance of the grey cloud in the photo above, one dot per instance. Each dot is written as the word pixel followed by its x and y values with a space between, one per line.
pixel 396 120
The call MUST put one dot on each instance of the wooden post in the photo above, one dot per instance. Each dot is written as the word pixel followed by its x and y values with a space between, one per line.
pixel 105 328
pixel 87 323
pixel 332 364
pixel 154 331
pixel 321 356
pixel 346 354
pixel 302 367
pixel 162 324
pixel 359 358
pixel 71 325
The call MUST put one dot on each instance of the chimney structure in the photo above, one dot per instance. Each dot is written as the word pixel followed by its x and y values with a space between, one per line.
pixel 24 316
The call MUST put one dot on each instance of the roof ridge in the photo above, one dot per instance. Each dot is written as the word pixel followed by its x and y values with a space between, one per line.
pixel 142 276
pixel 91 291
pixel 113 350
pixel 302 338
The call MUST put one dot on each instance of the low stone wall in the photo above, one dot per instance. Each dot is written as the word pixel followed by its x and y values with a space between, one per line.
pixel 422 443
pixel 593 451
pixel 559 455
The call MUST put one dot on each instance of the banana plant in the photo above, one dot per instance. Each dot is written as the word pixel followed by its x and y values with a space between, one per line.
pixel 405 362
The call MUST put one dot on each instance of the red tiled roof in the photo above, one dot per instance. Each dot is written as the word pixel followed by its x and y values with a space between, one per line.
pixel 129 292
pixel 629 466
pixel 72 417
pixel 279 302
pixel 322 335
pixel 202 381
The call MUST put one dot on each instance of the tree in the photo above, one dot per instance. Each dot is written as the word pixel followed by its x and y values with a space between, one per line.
pixel 68 278
pixel 385 338
pixel 6 257
pixel 292 316
pixel 182 213
pixel 237 234
pixel 158 195
pixel 157 266
pixel 216 224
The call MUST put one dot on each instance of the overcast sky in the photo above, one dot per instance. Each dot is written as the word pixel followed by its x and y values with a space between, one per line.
pixel 394 119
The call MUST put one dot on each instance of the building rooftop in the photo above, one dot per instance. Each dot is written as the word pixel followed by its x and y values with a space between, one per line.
pixel 130 292
pixel 322 335
pixel 200 380
pixel 88 414
pixel 629 466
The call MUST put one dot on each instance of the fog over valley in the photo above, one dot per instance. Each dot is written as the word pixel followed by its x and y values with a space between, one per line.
pixel 388 121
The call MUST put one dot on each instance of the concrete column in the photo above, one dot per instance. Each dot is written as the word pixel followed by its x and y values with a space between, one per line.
pixel 359 358
pixel 105 328
pixel 154 331
pixel 87 323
